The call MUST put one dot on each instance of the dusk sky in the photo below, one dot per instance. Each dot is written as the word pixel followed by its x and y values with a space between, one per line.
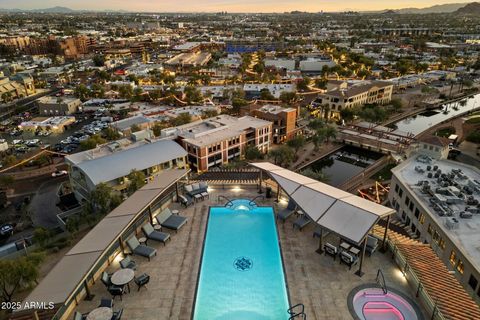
pixel 224 5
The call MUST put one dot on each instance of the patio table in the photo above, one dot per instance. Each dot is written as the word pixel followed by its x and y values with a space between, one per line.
pixel 102 313
pixel 345 246
pixel 123 277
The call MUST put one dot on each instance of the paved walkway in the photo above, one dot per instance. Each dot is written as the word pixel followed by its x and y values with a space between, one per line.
pixel 314 280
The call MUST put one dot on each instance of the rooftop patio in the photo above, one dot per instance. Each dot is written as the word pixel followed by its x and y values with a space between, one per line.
pixel 317 281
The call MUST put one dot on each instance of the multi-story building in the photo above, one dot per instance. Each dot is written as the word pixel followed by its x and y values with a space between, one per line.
pixel 111 164
pixel 57 106
pixel 284 119
pixel 215 141
pixel 15 87
pixel 438 202
pixel 366 92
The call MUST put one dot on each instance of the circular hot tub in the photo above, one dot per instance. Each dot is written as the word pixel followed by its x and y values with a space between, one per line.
pixel 370 302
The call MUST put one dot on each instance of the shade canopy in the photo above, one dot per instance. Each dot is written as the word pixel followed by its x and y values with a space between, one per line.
pixel 348 215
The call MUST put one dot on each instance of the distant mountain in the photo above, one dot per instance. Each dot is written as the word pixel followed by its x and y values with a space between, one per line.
pixel 441 8
pixel 470 9
pixel 55 10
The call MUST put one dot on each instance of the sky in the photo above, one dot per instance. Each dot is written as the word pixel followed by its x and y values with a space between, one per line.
pixel 224 5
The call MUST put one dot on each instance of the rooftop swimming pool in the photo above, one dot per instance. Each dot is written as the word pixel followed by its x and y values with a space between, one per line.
pixel 241 274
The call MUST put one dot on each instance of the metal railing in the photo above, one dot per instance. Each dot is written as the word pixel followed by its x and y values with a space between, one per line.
pixel 228 200
pixel 297 311
pixel 380 279
pixel 253 200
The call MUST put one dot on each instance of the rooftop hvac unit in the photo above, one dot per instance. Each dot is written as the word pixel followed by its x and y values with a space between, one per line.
pixel 430 175
pixel 451 223
pixel 466 215
pixel 435 167
pixel 419 169
pixel 429 168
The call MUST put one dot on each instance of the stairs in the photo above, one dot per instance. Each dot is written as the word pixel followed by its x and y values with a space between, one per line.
pixel 297 312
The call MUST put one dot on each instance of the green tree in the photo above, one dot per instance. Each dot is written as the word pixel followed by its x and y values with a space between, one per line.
pixel 111 133
pixel 193 95
pixel 125 91
pixel 135 128
pixel 98 60
pixel 315 174
pixel 136 180
pixel 287 96
pixel 282 155
pixel 42 236
pixel 209 113
pixel 158 127
pixel 316 124
pixel 181 119
pixel 265 94
pixel 99 199
pixel 9 160
pixel 92 142
pixel 329 132
pixel 252 153
pixel 6 181
pixel 296 143
pixel 347 114
pixel 82 92
pixel 237 104
pixel 303 84
pixel 321 83
pixel 18 274
pixel 396 104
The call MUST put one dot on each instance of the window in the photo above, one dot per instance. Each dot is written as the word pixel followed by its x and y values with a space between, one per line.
pixel 460 266
pixel 401 193
pixel 404 215
pixel 396 188
pixel 417 213
pixel 414 227
pixel 452 258
pixel 407 201
pixel 422 218
pixel 430 229
pixel 472 282
pixel 436 236
pixel 441 243
pixel 411 206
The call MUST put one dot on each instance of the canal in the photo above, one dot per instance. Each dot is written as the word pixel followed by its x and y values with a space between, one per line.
pixel 344 164
pixel 423 121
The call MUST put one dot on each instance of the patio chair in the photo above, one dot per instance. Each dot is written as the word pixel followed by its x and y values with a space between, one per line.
pixel 78 316
pixel 372 244
pixel 301 222
pixel 106 302
pixel 142 280
pixel 196 188
pixel 155 235
pixel 331 250
pixel 117 315
pixel 170 221
pixel 128 263
pixel 285 213
pixel 141 249
pixel 186 200
pixel 116 291
pixel 316 232
pixel 106 280
pixel 348 259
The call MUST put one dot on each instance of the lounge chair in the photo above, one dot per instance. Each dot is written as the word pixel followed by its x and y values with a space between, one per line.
pixel 170 221
pixel 186 200
pixel 348 259
pixel 152 234
pixel 372 244
pixel 142 280
pixel 285 213
pixel 141 249
pixel 196 188
pixel 128 263
pixel 302 222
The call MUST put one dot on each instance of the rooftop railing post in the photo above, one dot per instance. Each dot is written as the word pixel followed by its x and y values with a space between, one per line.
pixel 150 214
pixel 278 192
pixel 260 182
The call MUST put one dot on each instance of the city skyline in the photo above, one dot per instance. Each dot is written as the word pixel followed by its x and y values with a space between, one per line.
pixel 223 5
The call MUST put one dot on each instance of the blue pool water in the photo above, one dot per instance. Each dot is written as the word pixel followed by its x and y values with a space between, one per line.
pixel 241 276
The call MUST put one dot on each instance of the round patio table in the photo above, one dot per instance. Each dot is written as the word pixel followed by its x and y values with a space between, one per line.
pixel 102 313
pixel 123 277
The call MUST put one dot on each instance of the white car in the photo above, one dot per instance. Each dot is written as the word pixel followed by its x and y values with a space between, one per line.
pixel 59 173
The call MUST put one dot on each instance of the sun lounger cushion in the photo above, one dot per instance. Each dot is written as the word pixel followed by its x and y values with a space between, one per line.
pixel 195 186
pixel 203 185
pixel 168 220
pixel 188 188
pixel 153 234
pixel 302 221
pixel 141 250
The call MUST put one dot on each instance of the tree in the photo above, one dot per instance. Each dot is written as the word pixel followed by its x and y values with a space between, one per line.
pixel 316 124
pixel 158 127
pixel 135 128
pixel 193 95
pixel 82 92
pixel 100 198
pixel 111 133
pixel 6 181
pixel 315 174
pixel 98 60
pixel 321 83
pixel 329 132
pixel 19 273
pixel 181 119
pixel 397 104
pixel 303 84
pixel 287 96
pixel 296 143
pixel 9 160
pixel 237 103
pixel 42 236
pixel 265 94
pixel 125 91
pixel 92 142
pixel 136 180
pixel 282 155
pixel 252 153
pixel 347 114
pixel 209 113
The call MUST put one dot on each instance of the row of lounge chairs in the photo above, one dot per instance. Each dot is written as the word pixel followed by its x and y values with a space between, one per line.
pixel 301 222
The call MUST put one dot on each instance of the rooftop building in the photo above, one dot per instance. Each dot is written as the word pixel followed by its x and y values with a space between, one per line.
pixel 438 200
pixel 57 106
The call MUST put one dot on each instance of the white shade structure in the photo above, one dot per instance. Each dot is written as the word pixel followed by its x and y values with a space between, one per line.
pixel 348 215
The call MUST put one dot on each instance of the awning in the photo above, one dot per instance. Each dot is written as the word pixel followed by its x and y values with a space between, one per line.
pixel 69 273
pixel 348 215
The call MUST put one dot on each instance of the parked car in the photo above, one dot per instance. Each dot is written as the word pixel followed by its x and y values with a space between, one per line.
pixel 6 230
pixel 59 173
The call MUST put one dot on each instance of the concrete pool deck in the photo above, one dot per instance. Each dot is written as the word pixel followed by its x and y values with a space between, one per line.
pixel 317 281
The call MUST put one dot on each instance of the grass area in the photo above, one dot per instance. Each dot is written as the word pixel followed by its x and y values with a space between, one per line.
pixel 445 132
pixel 385 173
pixel 474 120
pixel 474 137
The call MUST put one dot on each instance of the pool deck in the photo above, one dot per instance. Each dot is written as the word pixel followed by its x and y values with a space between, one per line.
pixel 317 281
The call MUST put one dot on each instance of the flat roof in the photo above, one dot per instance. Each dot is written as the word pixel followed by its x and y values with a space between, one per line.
pixel 69 273
pixel 465 233
pixel 348 215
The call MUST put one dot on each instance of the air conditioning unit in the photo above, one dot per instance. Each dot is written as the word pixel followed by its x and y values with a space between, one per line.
pixel 451 223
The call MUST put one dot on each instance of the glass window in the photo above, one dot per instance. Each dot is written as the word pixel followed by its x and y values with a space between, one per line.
pixel 460 266
pixel 452 258
pixel 422 218
pixel 472 282
pixel 430 229
pixel 417 213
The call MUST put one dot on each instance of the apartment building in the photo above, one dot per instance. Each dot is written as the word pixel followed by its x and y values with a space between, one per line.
pixel 284 120
pixel 218 140
pixel 112 162
pixel 356 95
pixel 438 201
pixel 15 87
pixel 58 106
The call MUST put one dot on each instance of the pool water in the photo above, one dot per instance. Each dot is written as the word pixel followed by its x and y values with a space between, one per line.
pixel 241 274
